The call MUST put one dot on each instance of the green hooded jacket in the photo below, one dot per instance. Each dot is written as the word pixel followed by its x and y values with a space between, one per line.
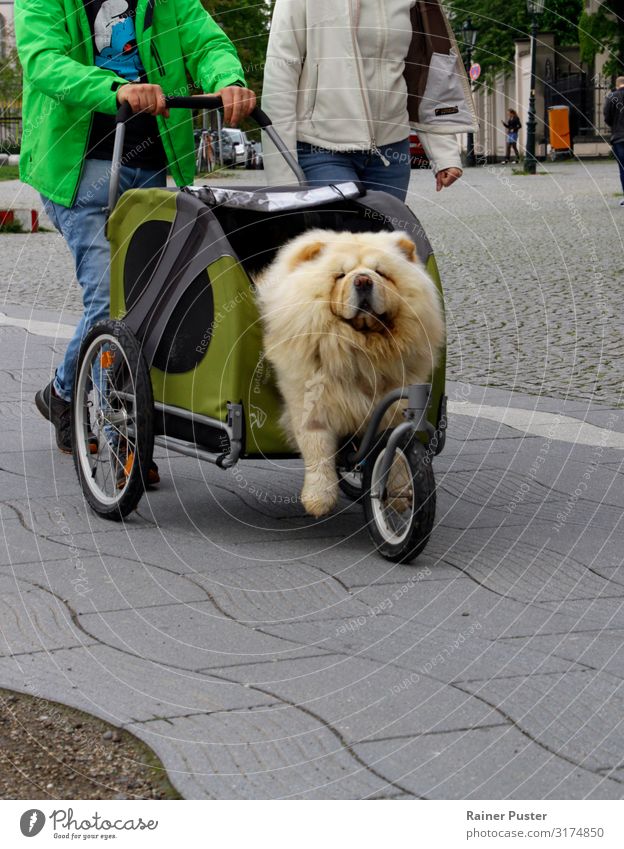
pixel 177 40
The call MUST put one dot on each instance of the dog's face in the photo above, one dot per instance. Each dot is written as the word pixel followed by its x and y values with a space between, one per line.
pixel 366 285
pixel 363 279
pixel 356 307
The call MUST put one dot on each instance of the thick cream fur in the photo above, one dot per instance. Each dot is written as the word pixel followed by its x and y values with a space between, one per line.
pixel 333 363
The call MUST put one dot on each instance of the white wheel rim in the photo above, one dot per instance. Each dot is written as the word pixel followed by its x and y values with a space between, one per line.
pixel 111 427
pixel 393 524
pixel 354 479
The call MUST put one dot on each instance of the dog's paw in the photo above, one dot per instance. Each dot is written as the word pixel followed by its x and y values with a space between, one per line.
pixel 319 501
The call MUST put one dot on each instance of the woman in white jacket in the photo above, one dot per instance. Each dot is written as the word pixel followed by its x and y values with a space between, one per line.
pixel 345 80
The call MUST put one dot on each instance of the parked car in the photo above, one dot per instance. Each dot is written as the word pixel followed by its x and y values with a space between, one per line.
pixel 258 155
pixel 235 147
pixel 250 161
pixel 418 157
pixel 228 150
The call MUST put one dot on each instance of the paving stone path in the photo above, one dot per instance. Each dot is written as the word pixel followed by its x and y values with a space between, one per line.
pixel 265 655
pixel 532 268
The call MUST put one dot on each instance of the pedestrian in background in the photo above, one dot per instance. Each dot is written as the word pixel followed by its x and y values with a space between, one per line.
pixel 345 80
pixel 513 127
pixel 614 116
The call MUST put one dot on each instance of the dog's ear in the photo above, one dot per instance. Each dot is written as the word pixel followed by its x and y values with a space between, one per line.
pixel 305 253
pixel 406 246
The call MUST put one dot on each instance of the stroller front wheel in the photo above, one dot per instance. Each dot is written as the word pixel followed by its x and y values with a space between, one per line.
pixel 400 516
pixel 113 407
pixel 350 484
pixel 350 481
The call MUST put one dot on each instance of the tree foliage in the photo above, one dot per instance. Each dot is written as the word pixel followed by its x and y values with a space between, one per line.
pixel 246 22
pixel 501 22
pixel 10 101
pixel 10 81
pixel 603 32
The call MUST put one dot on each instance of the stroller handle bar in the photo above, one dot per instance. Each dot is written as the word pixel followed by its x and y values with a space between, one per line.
pixel 199 101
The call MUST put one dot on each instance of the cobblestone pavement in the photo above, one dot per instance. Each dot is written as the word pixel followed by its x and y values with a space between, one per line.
pixel 265 655
pixel 532 269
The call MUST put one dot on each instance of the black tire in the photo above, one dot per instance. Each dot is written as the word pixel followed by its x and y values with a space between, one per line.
pixel 348 485
pixel 113 396
pixel 438 440
pixel 400 524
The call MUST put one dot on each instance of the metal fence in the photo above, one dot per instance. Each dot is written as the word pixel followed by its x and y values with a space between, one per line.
pixel 10 129
pixel 585 96
pixel 602 86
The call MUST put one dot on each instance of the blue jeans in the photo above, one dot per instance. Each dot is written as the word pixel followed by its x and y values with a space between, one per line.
pixel 618 152
pixel 323 166
pixel 82 225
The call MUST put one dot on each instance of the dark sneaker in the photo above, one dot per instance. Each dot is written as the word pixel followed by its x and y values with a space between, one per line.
pixel 123 473
pixel 153 478
pixel 58 411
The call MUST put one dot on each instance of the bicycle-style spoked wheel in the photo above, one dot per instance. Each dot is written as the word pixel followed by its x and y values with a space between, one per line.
pixel 112 399
pixel 400 515
pixel 349 480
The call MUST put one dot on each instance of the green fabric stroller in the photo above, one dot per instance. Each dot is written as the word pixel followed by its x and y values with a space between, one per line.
pixel 180 362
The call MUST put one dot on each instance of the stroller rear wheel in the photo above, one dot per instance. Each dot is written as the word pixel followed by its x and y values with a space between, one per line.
pixel 400 516
pixel 112 398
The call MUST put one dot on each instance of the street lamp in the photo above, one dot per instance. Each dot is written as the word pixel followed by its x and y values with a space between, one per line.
pixel 469 33
pixel 535 8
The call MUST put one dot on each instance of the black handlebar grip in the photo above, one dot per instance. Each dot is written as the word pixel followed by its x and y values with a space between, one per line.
pixel 211 101
pixel 198 101
pixel 261 118
pixel 124 113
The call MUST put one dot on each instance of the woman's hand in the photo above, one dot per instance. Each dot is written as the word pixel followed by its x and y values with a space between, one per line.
pixel 238 102
pixel 447 177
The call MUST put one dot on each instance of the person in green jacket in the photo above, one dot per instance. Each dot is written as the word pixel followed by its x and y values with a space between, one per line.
pixel 82 59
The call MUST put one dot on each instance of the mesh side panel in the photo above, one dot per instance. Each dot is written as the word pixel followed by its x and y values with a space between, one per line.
pixel 144 251
pixel 188 332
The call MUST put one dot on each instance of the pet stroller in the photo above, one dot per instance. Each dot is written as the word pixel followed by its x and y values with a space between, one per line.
pixel 180 362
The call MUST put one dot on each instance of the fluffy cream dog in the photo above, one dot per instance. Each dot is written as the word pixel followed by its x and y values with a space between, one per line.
pixel 347 317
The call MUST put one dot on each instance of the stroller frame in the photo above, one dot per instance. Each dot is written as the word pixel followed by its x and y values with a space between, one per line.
pixel 198 235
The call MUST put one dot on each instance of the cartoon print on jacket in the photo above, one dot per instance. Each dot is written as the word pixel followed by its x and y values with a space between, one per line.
pixel 115 40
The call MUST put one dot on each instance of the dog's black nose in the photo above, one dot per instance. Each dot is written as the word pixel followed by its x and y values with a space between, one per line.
pixel 363 283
